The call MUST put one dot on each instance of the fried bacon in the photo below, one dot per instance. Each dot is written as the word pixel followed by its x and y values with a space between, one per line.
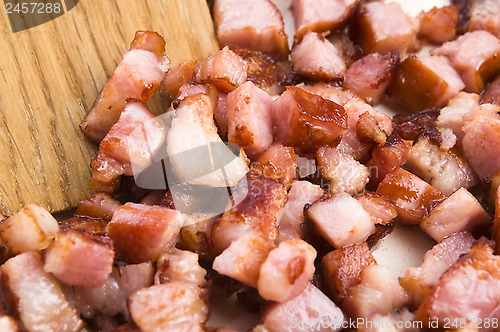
pixel 439 25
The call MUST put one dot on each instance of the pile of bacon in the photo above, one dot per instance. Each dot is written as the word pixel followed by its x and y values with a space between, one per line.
pixel 327 176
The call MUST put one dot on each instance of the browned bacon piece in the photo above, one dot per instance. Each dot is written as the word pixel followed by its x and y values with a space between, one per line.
pixel 491 95
pixel 180 265
pixel 256 25
pixel 425 82
pixel 439 25
pixel 378 207
pixel 278 162
pixel 84 225
pixel 178 76
pixel 321 15
pixel 476 68
pixel 137 76
pixel 141 233
pixel 342 268
pixel 369 76
pixel 328 91
pixel 368 129
pixel 412 196
pixel 101 206
pixel 420 281
pixel 372 29
pixel 479 15
pixel 307 121
pixel 316 58
pixel 195 237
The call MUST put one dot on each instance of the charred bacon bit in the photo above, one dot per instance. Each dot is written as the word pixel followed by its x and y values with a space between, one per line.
pixel 439 25
pixel 178 76
pixel 412 196
pixel 32 228
pixel 341 220
pixel 378 207
pixel 371 29
pixel 316 58
pixel 470 289
pixel 256 25
pixel 292 216
pixel 376 293
pixel 278 162
pixel 38 297
pixel 321 15
pixel 226 70
pixel 491 95
pixel 369 76
pixel 249 117
pixel 420 281
pixel 417 125
pixel 307 121
pixel 243 259
pixel 141 233
pixel 425 82
pixel 174 306
pixel 459 212
pixel 179 265
pixel 309 306
pixel 345 174
pixel 256 214
pixel 286 271
pixel 137 76
pixel 342 268
pixel 100 206
pixel 368 129
pixel 476 68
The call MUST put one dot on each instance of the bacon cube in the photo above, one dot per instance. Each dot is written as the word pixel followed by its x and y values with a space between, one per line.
pixel 278 162
pixel 178 76
pixel 439 25
pixel 100 206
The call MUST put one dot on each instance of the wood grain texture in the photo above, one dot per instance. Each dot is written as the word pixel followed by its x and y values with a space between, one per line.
pixel 50 76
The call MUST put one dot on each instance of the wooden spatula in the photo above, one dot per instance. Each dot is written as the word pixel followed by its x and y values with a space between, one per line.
pixel 50 76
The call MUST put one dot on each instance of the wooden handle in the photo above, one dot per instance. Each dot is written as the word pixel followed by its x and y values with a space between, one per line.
pixel 50 76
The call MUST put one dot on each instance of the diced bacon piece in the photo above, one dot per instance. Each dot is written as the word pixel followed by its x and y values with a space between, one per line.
pixel 355 107
pixel 84 225
pixel 307 121
pixel 342 268
pixel 447 171
pixel 292 216
pixel 377 293
pixel 491 95
pixel 414 126
pixel 100 206
pixel 412 196
pixel 256 25
pixel 321 15
pixel 479 15
pixel 137 76
pixel 226 70
pixel 255 214
pixel 249 117
pixel 8 324
pixel 286 271
pixel 371 29
pixel 425 82
pixel 420 281
pixel 243 259
pixel 439 25
pixel 174 306
pixel 38 297
pixel 196 236
pixel 368 129
pixel 387 158
pixel 180 265
pixel 327 91
pixel 369 76
pixel 459 212
pixel 32 228
pixel 133 277
pixel 80 259
pixel 469 290
pixel 309 306
pixel 344 173
pixel 141 233
pixel 476 68
pixel 316 58
pixel 378 207
pixel 341 220
pixel 278 162
pixel 178 76
pixel 190 89
pixel 481 141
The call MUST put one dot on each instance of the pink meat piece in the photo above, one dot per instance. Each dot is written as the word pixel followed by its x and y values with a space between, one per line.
pixel 141 233
pixel 328 91
pixel 476 57
pixel 420 281
pixel 380 209
pixel 287 270
pixel 178 76
pixel 137 76
pixel 100 206
pixel 180 265
pixel 369 76
pixel 459 212
pixel 316 58
pixel 249 117
pixel 256 25
pixel 292 216
pixel 439 25
pixel 278 162
pixel 321 15
pixel 483 15
pixel 341 220
pixel 189 89
pixel 80 259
